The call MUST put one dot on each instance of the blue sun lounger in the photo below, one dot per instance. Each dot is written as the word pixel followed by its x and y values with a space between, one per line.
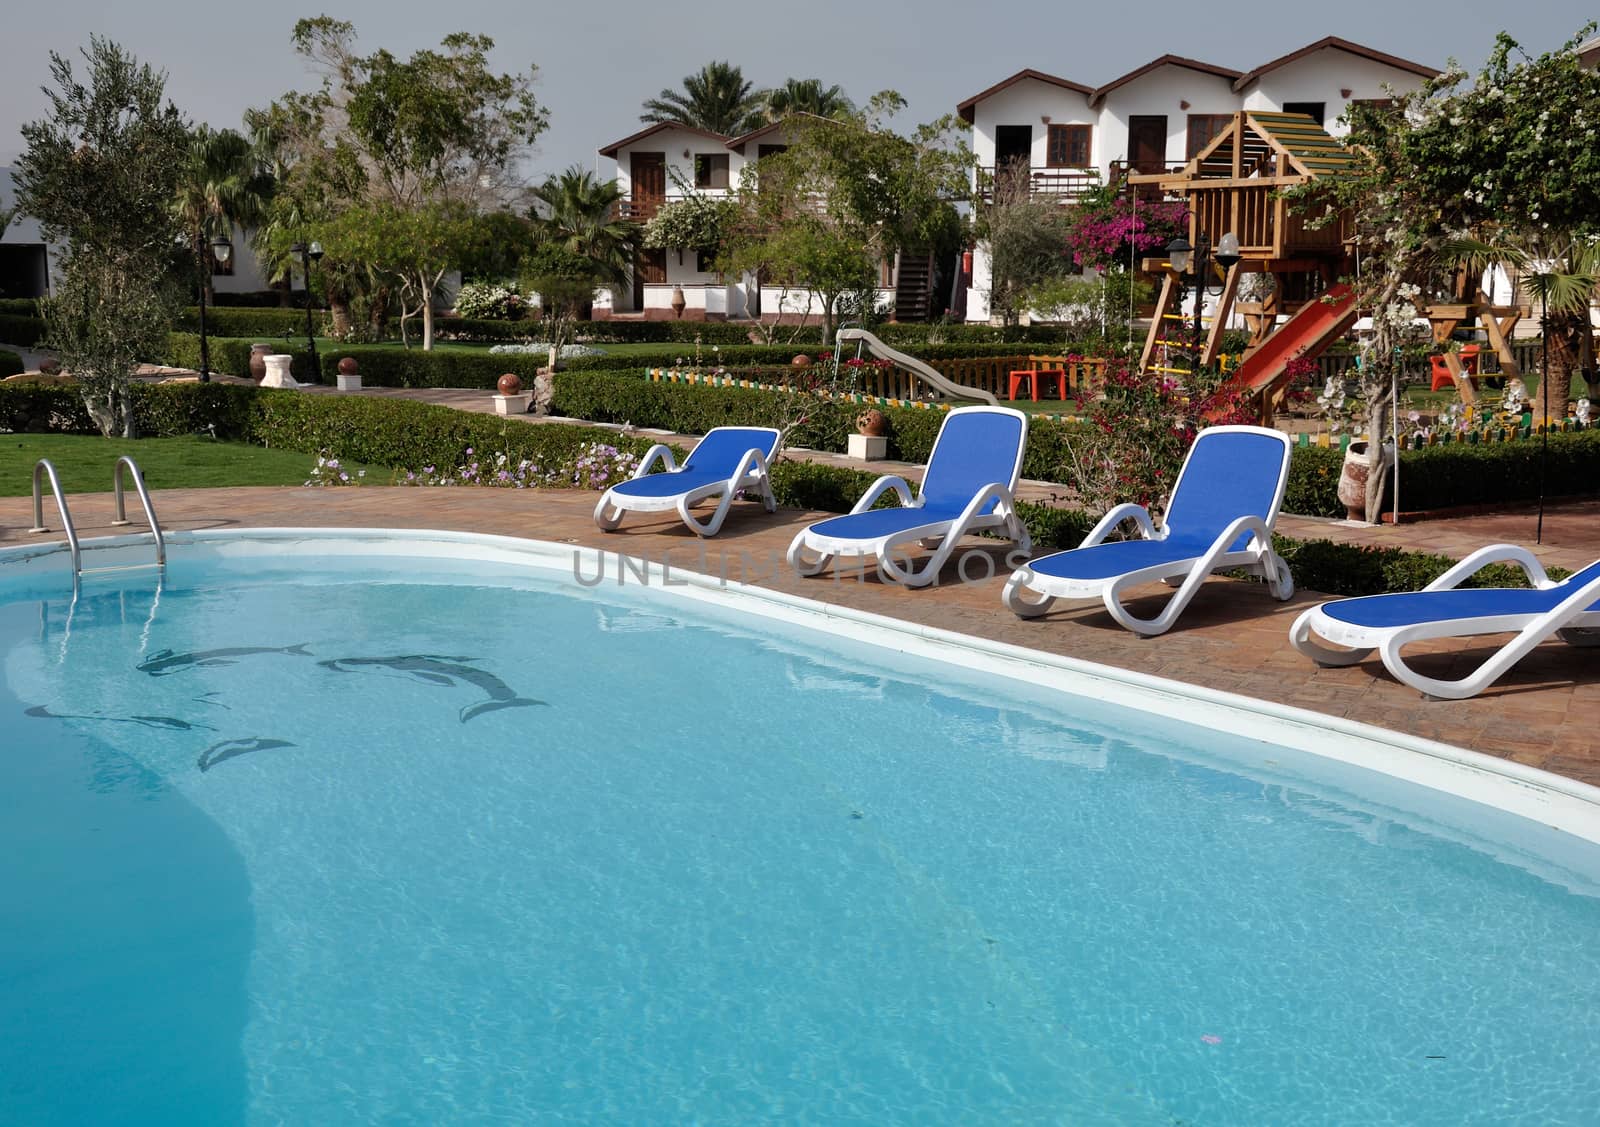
pixel 1223 509
pixel 724 462
pixel 972 471
pixel 1569 610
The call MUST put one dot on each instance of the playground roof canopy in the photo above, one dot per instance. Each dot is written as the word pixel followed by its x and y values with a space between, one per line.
pixel 1260 135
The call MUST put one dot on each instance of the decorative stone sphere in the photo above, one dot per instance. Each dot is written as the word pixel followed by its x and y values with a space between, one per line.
pixel 348 366
pixel 510 384
pixel 801 361
pixel 871 422
pixel 50 366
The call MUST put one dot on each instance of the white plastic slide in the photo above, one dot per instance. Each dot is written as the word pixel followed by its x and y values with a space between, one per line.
pixel 911 364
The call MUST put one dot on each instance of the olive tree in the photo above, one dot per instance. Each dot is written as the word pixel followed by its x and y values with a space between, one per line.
pixel 99 174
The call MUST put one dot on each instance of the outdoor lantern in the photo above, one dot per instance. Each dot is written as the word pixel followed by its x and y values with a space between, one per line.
pixel 1178 251
pixel 314 252
pixel 222 250
pixel 1227 255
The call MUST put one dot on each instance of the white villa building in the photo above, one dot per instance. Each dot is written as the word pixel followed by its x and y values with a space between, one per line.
pixel 1072 136
pixel 667 162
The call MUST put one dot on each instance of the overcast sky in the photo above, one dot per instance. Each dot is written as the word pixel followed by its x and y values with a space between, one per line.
pixel 598 59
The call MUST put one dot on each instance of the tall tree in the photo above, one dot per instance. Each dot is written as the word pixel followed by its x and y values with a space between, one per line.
pixel 100 173
pixel 1507 158
pixel 807 95
pixel 578 211
pixel 845 195
pixel 221 186
pixel 439 134
pixel 719 99
pixel 1026 235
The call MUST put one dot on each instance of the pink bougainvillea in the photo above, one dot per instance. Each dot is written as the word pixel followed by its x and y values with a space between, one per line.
pixel 1107 228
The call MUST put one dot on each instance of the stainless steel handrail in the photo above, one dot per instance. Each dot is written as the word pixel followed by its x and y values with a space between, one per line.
pixel 43 466
pixel 144 499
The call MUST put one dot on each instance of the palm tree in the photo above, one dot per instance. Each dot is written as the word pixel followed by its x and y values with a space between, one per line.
pixel 807 95
pixel 580 214
pixel 222 186
pixel 718 99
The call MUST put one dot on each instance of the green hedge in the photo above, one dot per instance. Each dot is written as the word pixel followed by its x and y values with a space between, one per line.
pixel 19 306
pixel 1354 569
pixel 21 330
pixel 10 364
pixel 379 365
pixel 734 332
pixel 604 397
pixel 263 324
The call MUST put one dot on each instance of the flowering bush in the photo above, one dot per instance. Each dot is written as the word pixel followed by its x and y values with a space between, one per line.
pixel 490 302
pixel 1140 431
pixel 540 347
pixel 1109 228
pixel 595 465
pixel 328 472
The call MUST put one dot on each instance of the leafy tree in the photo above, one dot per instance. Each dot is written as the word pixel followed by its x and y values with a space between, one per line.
pixel 220 186
pixel 565 282
pixel 807 95
pixel 845 195
pixel 415 246
pixel 438 134
pixel 1026 235
pixel 6 216
pixel 718 99
pixel 692 223
pixel 99 174
pixel 580 214
pixel 1508 159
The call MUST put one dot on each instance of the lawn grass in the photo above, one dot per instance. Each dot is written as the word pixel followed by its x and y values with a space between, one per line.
pixel 85 463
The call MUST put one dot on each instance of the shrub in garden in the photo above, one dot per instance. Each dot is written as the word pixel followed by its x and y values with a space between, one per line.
pixel 489 302
pixel 10 364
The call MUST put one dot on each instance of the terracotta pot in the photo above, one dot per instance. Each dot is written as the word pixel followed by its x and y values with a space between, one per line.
pixel 871 422
pixel 509 384
pixel 1353 481
pixel 258 360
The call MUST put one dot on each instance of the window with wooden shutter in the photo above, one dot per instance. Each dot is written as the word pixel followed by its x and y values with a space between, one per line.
pixel 1203 128
pixel 1068 146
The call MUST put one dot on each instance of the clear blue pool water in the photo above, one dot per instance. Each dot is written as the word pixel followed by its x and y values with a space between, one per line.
pixel 723 872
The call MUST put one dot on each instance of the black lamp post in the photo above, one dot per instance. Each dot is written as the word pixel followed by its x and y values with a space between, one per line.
pixel 310 253
pixel 1192 264
pixel 222 250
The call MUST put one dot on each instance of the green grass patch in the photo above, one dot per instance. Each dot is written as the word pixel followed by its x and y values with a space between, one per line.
pixel 85 464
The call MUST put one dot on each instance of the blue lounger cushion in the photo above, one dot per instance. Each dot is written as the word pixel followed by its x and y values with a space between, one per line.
pixel 1412 608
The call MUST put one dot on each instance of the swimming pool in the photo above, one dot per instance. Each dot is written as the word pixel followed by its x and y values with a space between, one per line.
pixel 415 828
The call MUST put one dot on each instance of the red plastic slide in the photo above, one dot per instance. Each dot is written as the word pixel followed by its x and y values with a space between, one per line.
pixel 1316 325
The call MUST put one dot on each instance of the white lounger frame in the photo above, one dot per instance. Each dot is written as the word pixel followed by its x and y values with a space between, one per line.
pixel 810 551
pixel 1257 558
pixel 1567 620
pixel 751 474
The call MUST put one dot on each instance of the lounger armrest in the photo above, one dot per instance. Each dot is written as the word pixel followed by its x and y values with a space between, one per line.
pixel 1238 527
pixel 1494 553
pixel 753 459
pixel 1125 511
pixel 994 491
pixel 879 488
pixel 659 450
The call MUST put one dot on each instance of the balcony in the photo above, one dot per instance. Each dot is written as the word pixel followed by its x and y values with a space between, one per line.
pixel 640 208
pixel 1067 185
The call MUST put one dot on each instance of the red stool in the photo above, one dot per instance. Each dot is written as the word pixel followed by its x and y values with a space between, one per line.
pixel 1033 376
pixel 1441 370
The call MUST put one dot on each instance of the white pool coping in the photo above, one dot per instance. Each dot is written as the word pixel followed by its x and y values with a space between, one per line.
pixel 1550 800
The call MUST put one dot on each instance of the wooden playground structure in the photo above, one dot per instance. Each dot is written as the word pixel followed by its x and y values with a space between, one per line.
pixel 1234 186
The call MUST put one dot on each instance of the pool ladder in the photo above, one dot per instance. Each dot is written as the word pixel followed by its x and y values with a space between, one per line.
pixel 43 468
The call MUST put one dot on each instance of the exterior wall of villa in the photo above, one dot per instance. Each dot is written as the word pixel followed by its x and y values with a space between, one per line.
pixel 1160 93
pixel 1322 77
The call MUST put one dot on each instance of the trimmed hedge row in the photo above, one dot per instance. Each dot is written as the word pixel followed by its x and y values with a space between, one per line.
pixel 407 434
pixel 382 432
pixel 735 332
pixel 19 306
pixel 10 364
pixel 18 329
